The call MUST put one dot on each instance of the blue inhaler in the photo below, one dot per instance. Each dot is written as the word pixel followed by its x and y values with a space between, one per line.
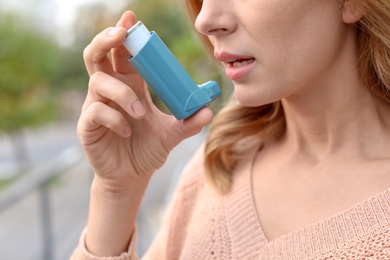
pixel 164 74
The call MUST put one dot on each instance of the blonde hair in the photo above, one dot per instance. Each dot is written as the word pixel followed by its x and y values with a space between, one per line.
pixel 237 128
pixel 373 41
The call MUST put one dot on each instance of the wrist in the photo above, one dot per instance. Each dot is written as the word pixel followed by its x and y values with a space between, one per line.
pixel 115 189
pixel 112 215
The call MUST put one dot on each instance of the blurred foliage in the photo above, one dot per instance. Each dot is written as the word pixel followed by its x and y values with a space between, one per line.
pixel 6 182
pixel 28 65
pixel 90 20
pixel 163 16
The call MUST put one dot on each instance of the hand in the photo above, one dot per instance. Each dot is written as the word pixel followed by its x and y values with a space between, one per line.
pixel 123 134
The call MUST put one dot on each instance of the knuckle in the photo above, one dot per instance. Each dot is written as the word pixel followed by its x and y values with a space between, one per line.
pixel 122 94
pixel 95 79
pixel 124 97
pixel 92 52
pixel 96 109
pixel 103 115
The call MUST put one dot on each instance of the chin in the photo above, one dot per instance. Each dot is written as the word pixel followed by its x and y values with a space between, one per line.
pixel 248 99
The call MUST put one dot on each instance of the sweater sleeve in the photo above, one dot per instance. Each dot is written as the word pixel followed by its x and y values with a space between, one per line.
pixel 82 253
pixel 171 236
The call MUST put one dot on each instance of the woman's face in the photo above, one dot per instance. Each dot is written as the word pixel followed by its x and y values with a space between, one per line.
pixel 272 49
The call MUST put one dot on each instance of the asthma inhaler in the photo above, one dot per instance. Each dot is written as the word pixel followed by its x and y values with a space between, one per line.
pixel 164 74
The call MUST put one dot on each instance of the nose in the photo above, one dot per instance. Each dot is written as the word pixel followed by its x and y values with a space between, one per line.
pixel 215 18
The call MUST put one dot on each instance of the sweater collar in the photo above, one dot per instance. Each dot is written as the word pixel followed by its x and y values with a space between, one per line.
pixel 250 242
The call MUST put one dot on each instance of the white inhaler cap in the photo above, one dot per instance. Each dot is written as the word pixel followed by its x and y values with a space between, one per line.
pixel 137 37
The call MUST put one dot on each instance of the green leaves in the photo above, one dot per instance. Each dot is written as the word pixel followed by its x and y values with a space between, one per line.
pixel 28 63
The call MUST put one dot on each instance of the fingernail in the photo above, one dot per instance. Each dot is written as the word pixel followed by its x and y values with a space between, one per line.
pixel 138 108
pixel 112 32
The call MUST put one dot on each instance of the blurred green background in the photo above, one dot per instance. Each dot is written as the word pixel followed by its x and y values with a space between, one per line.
pixel 41 68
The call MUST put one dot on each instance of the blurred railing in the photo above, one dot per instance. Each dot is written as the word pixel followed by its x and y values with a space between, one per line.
pixel 73 202
pixel 38 179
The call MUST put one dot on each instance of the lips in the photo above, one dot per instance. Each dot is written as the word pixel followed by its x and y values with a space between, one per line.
pixel 237 66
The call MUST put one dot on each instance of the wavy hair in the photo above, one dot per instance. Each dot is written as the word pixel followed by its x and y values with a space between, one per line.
pixel 236 128
pixel 373 41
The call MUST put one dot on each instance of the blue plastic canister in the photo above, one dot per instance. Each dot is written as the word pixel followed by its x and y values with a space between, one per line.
pixel 169 80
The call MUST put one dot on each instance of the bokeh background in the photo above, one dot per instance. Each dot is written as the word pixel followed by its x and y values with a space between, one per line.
pixel 44 177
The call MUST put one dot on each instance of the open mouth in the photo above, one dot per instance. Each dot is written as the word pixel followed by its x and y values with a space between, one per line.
pixel 239 63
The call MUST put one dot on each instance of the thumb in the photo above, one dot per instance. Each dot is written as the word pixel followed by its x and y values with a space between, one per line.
pixel 195 123
pixel 191 126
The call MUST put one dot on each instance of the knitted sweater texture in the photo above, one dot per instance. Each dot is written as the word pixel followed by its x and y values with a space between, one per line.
pixel 201 224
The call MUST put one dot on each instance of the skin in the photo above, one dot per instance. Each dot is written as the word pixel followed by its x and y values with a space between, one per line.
pixel 125 138
pixel 335 152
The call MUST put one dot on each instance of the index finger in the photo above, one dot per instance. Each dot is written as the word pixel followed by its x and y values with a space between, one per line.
pixel 96 53
pixel 120 55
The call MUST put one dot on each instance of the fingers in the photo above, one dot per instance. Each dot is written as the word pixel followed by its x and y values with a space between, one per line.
pixel 96 53
pixel 104 88
pixel 120 55
pixel 97 119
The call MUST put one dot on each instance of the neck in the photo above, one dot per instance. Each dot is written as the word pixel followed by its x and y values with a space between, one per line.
pixel 337 112
pixel 336 117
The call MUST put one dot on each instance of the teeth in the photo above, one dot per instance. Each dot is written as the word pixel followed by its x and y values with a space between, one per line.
pixel 242 63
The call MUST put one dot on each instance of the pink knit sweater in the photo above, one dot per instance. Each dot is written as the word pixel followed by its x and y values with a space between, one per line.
pixel 200 224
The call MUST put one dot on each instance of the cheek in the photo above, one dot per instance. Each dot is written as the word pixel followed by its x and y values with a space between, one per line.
pixel 293 45
pixel 297 51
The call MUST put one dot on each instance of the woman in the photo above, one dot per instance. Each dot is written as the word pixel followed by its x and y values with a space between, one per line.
pixel 297 166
